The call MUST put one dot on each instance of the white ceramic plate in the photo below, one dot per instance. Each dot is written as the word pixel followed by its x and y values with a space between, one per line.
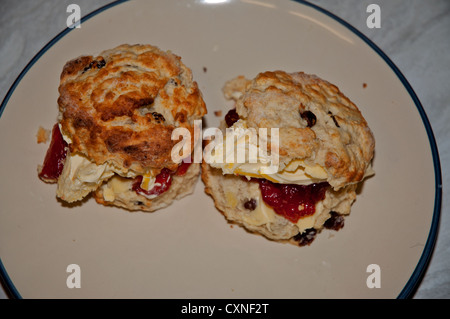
pixel 188 250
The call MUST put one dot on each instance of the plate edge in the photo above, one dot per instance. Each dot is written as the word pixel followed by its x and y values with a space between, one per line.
pixel 425 258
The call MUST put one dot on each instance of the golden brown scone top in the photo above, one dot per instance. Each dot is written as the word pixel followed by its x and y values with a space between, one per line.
pixel 316 122
pixel 121 106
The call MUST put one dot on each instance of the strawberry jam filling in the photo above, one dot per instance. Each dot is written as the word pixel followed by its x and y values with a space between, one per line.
pixel 162 184
pixel 290 200
pixel 55 157
pixel 182 169
pixel 162 181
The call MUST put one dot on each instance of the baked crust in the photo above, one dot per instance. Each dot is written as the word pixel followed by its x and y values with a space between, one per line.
pixel 339 140
pixel 122 106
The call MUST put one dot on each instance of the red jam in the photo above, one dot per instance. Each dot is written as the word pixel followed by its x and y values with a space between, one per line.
pixel 292 201
pixel 162 183
pixel 163 180
pixel 55 157
pixel 182 169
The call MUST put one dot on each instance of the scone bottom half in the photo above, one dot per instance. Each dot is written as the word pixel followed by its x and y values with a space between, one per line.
pixel 325 153
pixel 113 136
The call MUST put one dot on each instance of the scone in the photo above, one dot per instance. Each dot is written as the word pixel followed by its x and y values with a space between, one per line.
pixel 113 137
pixel 324 150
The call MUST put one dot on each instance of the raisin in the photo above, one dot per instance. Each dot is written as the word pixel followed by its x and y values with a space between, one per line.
pixel 87 68
pixel 101 64
pixel 231 117
pixel 158 117
pixel 335 221
pixel 306 238
pixel 95 64
pixel 309 117
pixel 250 204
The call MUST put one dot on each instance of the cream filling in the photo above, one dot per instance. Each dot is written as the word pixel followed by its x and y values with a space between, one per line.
pixel 80 176
pixel 296 172
pixel 114 187
pixel 118 185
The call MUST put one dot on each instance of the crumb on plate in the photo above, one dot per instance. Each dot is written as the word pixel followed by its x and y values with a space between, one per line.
pixel 42 135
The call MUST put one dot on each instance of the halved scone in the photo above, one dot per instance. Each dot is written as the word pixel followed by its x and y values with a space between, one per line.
pixel 324 150
pixel 117 112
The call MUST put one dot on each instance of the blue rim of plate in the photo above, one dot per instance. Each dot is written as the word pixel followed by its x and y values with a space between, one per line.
pixel 419 271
